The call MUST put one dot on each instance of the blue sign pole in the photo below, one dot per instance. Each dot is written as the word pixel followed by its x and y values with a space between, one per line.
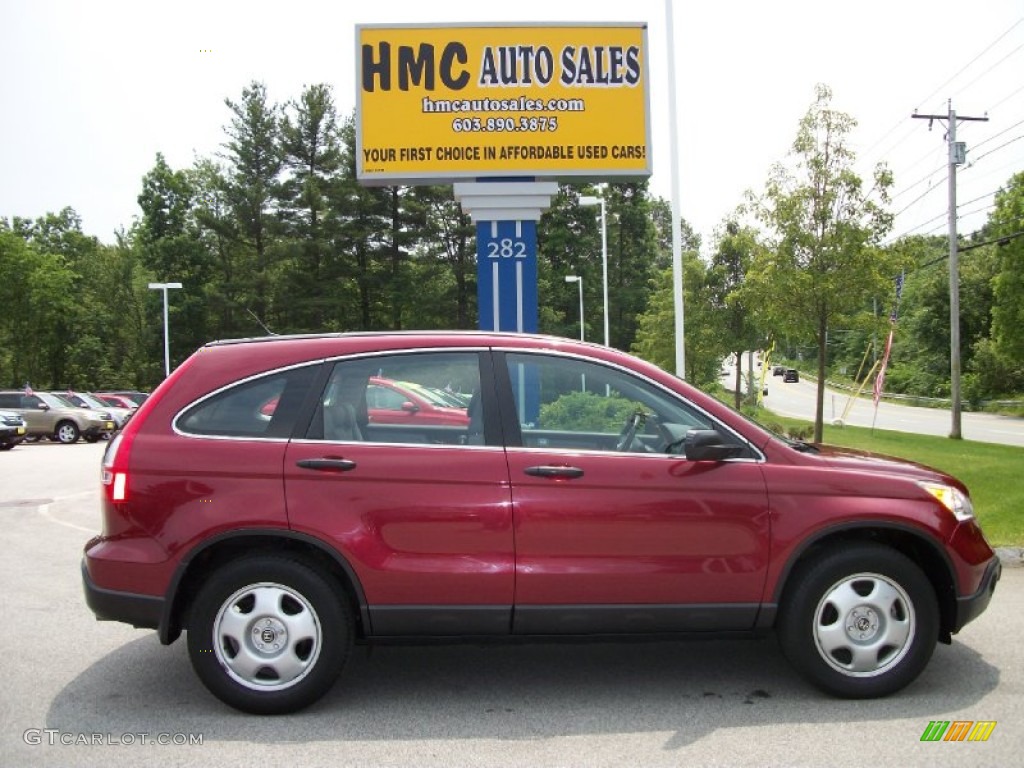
pixel 506 213
pixel 507 275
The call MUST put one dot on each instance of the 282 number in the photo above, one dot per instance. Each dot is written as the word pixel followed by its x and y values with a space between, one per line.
pixel 506 248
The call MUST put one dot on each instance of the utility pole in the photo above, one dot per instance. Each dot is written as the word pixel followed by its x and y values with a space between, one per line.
pixel 957 156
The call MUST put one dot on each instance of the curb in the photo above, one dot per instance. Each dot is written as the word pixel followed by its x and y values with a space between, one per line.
pixel 1010 557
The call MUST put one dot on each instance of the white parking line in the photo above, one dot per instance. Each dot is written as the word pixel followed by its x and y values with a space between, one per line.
pixel 44 511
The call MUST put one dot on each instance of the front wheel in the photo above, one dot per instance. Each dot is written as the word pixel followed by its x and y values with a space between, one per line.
pixel 860 622
pixel 269 635
pixel 66 432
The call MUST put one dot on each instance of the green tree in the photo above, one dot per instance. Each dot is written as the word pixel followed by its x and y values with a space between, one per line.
pixel 821 261
pixel 312 154
pixel 363 237
pixel 171 247
pixel 254 163
pixel 1008 284
pixel 569 243
pixel 444 267
pixel 655 338
pixel 735 318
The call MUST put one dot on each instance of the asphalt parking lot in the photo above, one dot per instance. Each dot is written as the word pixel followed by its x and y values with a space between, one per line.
pixel 82 693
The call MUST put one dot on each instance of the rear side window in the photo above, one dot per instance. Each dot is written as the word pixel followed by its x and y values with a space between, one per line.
pixel 421 398
pixel 263 407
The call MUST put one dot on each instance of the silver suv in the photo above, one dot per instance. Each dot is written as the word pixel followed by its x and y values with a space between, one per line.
pixel 48 415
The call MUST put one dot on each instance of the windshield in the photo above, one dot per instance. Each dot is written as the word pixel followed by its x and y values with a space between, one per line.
pixel 55 401
pixel 90 401
pixel 430 394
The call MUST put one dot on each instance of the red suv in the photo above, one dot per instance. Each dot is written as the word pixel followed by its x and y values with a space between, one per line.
pixel 586 493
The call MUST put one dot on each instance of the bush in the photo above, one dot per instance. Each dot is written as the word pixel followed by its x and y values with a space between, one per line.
pixel 587 412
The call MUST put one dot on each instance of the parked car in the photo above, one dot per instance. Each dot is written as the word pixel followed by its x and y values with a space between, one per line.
pixel 778 370
pixel 403 402
pixel 48 415
pixel 791 375
pixel 588 494
pixel 12 429
pixel 130 394
pixel 117 401
pixel 89 400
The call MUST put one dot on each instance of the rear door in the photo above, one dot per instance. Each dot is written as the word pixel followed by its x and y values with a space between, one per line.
pixel 422 513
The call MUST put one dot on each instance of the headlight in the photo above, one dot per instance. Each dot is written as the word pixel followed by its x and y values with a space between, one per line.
pixel 953 499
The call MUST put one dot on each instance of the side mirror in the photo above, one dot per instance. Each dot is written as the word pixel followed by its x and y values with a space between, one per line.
pixel 42 406
pixel 410 407
pixel 708 445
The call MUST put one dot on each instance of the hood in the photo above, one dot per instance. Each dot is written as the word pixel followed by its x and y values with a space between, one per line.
pixel 852 458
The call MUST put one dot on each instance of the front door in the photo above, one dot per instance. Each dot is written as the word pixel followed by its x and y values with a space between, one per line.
pixel 616 531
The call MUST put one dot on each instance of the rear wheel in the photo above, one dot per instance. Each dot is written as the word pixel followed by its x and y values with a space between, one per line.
pixel 66 432
pixel 269 635
pixel 860 622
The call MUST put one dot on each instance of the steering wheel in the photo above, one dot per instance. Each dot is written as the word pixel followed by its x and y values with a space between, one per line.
pixel 629 429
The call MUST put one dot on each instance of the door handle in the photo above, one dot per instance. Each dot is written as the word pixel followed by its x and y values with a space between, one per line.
pixel 555 471
pixel 327 465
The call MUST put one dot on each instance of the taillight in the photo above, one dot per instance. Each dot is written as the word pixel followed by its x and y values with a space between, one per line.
pixel 114 470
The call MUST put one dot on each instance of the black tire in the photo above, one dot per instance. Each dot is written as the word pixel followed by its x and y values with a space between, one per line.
pixel 66 432
pixel 859 622
pixel 269 635
pixel 6 446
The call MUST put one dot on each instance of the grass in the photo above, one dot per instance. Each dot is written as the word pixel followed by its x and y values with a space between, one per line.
pixel 992 472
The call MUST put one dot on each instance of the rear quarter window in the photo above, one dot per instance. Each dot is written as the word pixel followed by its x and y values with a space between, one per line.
pixel 264 407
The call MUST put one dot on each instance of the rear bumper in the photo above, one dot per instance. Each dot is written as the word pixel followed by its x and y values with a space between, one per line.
pixel 142 611
pixel 970 607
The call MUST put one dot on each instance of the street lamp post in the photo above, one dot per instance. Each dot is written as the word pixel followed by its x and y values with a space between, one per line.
pixel 579 281
pixel 591 200
pixel 167 344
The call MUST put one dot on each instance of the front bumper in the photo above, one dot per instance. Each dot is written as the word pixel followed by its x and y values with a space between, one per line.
pixel 970 607
pixel 12 435
pixel 98 429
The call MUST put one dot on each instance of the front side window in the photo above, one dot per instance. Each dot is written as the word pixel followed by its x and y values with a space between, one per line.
pixel 571 404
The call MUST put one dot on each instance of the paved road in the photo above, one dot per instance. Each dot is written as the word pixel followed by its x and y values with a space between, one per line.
pixel 797 400
pixel 724 703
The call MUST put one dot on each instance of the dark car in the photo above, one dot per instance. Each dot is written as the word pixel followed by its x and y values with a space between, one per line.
pixel 588 493
pixel 12 430
pixel 791 375
pixel 778 370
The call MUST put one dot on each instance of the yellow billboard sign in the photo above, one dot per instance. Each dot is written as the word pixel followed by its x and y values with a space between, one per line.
pixel 440 103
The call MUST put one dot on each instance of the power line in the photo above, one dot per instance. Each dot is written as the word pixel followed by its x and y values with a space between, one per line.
pixel 1004 99
pixel 1011 53
pixel 996 149
pixel 938 90
pixel 968 64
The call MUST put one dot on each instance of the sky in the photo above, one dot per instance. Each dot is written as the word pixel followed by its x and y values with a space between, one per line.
pixel 92 90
